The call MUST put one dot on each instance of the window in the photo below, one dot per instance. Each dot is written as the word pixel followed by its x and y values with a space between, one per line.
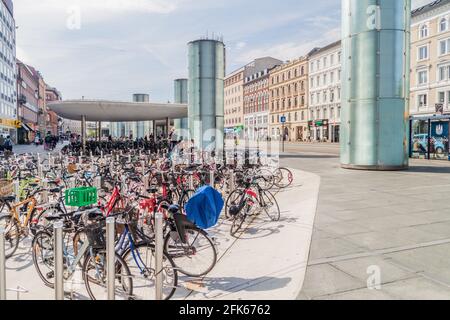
pixel 441 97
pixel 423 100
pixel 444 47
pixel 422 77
pixel 423 53
pixel 448 97
pixel 443 25
pixel 424 31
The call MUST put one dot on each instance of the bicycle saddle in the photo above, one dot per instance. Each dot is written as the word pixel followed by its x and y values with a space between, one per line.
pixel 174 209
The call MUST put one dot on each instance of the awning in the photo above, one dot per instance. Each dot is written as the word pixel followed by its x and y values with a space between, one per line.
pixel 27 127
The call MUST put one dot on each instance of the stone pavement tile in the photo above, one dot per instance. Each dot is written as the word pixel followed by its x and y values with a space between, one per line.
pixel 359 294
pixel 434 261
pixel 343 228
pixel 414 206
pixel 434 216
pixel 417 289
pixel 415 235
pixel 391 222
pixel 320 234
pixel 376 240
pixel 440 229
pixel 324 220
pixel 361 269
pixel 324 279
pixel 328 248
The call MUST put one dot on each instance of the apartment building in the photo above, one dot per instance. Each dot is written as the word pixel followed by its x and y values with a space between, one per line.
pixel 8 85
pixel 288 87
pixel 430 59
pixel 325 93
pixel 234 103
pixel 256 98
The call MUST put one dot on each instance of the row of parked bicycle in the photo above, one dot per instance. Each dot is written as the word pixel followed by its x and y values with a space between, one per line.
pixel 132 188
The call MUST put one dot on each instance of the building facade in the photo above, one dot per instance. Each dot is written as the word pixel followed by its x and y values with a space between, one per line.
pixel 325 93
pixel 288 86
pixel 234 103
pixel 8 72
pixel 27 103
pixel 430 59
pixel 52 121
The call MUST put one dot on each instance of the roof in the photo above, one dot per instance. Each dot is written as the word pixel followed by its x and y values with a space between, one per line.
pixel 428 7
pixel 319 50
pixel 116 111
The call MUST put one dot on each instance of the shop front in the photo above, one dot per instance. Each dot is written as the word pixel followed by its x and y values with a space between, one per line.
pixel 319 129
pixel 430 137
pixel 8 127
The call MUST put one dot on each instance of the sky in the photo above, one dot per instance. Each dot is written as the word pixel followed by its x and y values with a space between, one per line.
pixel 110 49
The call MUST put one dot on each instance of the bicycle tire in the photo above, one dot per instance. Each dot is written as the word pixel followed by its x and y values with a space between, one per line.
pixel 274 214
pixel 12 234
pixel 184 265
pixel 120 266
pixel 172 270
pixel 38 241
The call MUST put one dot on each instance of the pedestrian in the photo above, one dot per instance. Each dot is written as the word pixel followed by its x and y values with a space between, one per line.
pixel 2 142
pixel 8 144
pixel 173 139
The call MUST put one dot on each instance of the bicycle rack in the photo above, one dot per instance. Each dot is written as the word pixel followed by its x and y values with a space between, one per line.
pixel 59 263
pixel 159 243
pixel 110 257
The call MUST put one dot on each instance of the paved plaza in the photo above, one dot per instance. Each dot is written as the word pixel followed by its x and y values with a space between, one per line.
pixel 395 224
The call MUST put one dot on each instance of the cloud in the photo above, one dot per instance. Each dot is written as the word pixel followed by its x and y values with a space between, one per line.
pixel 290 50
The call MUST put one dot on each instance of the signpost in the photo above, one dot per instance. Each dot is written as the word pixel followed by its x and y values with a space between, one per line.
pixel 283 121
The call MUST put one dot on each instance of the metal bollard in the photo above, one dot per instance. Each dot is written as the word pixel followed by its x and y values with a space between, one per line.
pixel 212 177
pixel 146 182
pixel 2 265
pixel 232 182
pixel 16 186
pixel 101 154
pixel 110 258
pixel 59 264
pixel 98 182
pixel 143 167
pixel 159 243
pixel 40 171
pixel 191 182
pixel 45 192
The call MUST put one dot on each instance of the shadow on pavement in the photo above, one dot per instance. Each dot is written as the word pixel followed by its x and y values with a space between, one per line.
pixel 234 284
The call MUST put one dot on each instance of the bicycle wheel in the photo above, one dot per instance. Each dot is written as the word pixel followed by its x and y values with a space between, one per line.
pixel 270 205
pixel 95 277
pixel 233 199
pixel 141 263
pixel 43 257
pixel 195 258
pixel 267 180
pixel 283 178
pixel 12 234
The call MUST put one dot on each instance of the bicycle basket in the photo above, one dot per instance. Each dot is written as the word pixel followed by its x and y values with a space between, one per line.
pixel 96 235
pixel 81 197
pixel 6 188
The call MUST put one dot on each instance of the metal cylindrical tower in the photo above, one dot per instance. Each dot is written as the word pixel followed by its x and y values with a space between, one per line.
pixel 206 93
pixel 181 96
pixel 139 128
pixel 375 84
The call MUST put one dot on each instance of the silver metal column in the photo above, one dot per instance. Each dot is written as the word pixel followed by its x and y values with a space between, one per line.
pixel 83 132
pixel 59 264
pixel 2 265
pixel 110 258
pixel 159 243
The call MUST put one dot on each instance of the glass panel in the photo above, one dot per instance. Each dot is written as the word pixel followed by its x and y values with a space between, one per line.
pixel 439 140
pixel 419 139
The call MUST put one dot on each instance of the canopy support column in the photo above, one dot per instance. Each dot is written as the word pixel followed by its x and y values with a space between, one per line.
pixel 167 127
pixel 83 132
pixel 99 131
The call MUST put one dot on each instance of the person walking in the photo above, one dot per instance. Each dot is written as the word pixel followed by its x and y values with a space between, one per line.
pixel 2 142
pixel 8 144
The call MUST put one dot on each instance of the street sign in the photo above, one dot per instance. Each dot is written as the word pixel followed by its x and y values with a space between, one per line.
pixel 283 119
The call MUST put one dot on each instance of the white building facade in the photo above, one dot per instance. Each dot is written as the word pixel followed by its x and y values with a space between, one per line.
pixel 325 93
pixel 8 73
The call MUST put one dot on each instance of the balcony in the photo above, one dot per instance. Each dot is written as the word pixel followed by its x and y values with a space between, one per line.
pixel 22 99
